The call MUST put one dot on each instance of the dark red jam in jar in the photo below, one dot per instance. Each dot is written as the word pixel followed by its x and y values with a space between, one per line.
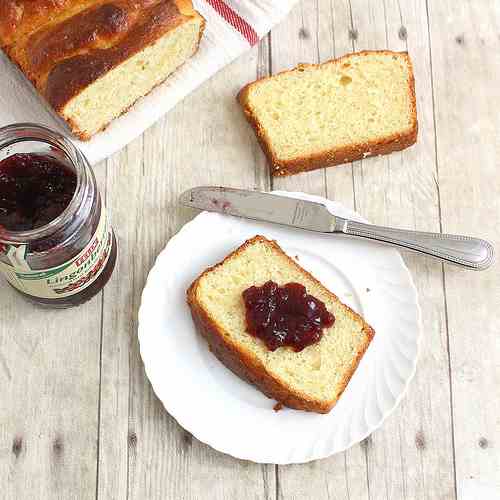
pixel 56 245
pixel 285 315
pixel 34 190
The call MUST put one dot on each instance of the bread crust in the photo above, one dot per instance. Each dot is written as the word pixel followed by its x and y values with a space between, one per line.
pixel 65 56
pixel 347 154
pixel 21 17
pixel 248 367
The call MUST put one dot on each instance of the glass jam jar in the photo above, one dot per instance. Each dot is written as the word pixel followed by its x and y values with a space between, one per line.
pixel 56 245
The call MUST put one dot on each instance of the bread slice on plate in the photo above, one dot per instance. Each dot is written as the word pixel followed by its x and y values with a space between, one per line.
pixel 92 59
pixel 312 379
pixel 318 115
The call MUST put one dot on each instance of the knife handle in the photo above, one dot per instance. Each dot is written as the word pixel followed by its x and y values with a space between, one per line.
pixel 471 253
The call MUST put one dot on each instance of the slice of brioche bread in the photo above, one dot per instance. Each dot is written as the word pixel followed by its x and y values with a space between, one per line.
pixel 314 116
pixel 312 379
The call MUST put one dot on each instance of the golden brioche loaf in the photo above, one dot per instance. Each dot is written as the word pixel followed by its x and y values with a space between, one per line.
pixel 92 59
pixel 318 115
pixel 312 379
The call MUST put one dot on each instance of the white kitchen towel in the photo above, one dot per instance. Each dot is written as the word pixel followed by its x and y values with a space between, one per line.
pixel 233 26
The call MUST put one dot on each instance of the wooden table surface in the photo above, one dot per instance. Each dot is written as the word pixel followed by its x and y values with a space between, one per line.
pixel 78 417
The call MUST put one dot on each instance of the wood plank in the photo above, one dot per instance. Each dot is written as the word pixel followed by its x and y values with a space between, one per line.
pixel 382 192
pixel 334 40
pixel 126 195
pixel 49 378
pixel 48 407
pixel 411 456
pixel 293 42
pixel 306 36
pixel 465 45
pixel 143 452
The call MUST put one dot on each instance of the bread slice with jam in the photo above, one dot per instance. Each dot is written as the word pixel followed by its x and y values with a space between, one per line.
pixel 312 379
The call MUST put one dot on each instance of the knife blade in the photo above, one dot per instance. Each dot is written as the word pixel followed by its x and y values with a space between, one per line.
pixel 464 251
pixel 266 207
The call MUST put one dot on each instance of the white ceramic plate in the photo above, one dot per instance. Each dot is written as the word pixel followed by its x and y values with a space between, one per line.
pixel 232 416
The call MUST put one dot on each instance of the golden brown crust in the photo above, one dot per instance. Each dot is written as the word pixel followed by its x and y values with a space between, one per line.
pixel 248 367
pixel 338 156
pixel 84 136
pixel 64 46
pixel 68 78
pixel 21 17
pixel 86 30
pixel 186 8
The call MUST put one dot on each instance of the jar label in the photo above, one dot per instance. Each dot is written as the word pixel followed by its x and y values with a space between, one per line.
pixel 66 279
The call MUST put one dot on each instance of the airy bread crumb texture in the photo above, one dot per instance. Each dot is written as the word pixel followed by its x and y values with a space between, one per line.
pixel 318 372
pixel 100 103
pixel 342 103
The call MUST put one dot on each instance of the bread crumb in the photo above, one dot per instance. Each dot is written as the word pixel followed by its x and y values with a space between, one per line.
pixel 297 257
pixel 278 407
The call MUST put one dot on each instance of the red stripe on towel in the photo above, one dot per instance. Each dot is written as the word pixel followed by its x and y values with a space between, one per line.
pixel 235 20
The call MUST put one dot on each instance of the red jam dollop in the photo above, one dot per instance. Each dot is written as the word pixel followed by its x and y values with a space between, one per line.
pixel 34 190
pixel 285 315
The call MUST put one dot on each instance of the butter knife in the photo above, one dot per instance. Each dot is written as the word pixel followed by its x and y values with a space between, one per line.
pixel 465 251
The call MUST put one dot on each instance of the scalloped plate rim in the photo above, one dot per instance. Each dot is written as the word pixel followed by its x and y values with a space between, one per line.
pixel 201 436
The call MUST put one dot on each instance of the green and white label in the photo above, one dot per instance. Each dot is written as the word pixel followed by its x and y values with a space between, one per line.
pixel 66 279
